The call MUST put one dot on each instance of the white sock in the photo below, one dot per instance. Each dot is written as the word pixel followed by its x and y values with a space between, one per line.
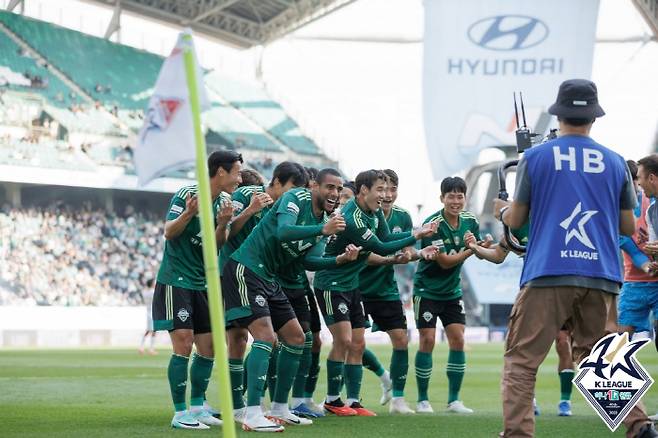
pixel 296 401
pixel 386 378
pixel 254 411
pixel 331 398
pixel 196 408
pixel 397 398
pixel 279 408
pixel 349 401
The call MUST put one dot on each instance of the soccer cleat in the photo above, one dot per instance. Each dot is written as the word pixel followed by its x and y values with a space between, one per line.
pixel 564 408
pixel 212 411
pixel 535 406
pixel 337 407
pixel 239 414
pixel 424 407
pixel 387 392
pixel 187 421
pixel 317 408
pixel 260 424
pixel 458 407
pixel 361 411
pixel 288 417
pixel 203 416
pixel 399 406
pixel 301 410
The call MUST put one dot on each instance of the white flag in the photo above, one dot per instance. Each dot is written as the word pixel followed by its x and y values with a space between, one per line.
pixel 166 141
pixel 478 52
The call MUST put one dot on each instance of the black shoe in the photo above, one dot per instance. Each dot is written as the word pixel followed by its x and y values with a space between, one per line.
pixel 647 431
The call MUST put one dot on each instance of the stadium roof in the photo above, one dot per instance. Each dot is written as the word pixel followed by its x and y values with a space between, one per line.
pixel 241 23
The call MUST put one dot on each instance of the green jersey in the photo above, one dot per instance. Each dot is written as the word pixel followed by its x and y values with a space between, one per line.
pixel 369 231
pixel 241 200
pixel 264 252
pixel 377 283
pixel 292 276
pixel 522 234
pixel 431 280
pixel 182 262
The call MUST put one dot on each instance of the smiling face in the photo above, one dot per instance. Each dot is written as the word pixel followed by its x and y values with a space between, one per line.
pixel 228 181
pixel 647 180
pixel 453 203
pixel 326 193
pixel 390 196
pixel 374 196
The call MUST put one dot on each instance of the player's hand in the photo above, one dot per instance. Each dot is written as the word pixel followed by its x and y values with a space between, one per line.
pixel 651 248
pixel 259 201
pixel 351 253
pixel 429 252
pixel 426 230
pixel 498 205
pixel 334 225
pixel 469 240
pixel 487 242
pixel 401 258
pixel 225 212
pixel 191 205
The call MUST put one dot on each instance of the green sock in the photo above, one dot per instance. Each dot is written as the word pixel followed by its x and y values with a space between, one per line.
pixel 245 374
pixel 313 375
pixel 423 367
pixel 272 374
pixel 353 378
pixel 200 372
pixel 371 362
pixel 257 368
pixel 566 377
pixel 287 366
pixel 236 370
pixel 399 369
pixel 304 363
pixel 177 375
pixel 455 369
pixel 334 377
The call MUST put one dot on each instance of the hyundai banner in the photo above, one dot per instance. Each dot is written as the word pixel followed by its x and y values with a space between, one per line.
pixel 478 52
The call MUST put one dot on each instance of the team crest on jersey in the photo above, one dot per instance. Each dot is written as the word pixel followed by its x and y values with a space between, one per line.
pixel 260 300
pixel 427 316
pixel 397 229
pixel 342 308
pixel 457 240
pixel 183 314
pixel 611 379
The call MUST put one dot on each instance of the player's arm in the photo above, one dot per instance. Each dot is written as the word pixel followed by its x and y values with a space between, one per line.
pixel 494 254
pixel 384 232
pixel 639 259
pixel 181 212
pixel 396 259
pixel 242 214
pixel 314 260
pixel 366 239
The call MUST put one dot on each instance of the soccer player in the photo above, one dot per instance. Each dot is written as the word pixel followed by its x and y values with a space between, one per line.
pixel 438 294
pixel 251 178
pixel 147 296
pixel 381 301
pixel 254 302
pixel 250 204
pixel 348 192
pixel 180 302
pixel 338 294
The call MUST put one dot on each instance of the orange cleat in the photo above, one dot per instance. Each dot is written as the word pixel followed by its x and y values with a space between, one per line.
pixel 337 407
pixel 361 411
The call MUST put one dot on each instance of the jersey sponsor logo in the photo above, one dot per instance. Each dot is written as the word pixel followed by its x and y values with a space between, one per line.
pixel 611 378
pixel 183 314
pixel 293 208
pixel 176 209
pixel 342 308
pixel 367 235
pixel 574 225
pixel 427 316
pixel 260 300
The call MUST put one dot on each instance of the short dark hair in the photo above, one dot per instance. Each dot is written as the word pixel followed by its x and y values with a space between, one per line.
pixel 350 185
pixel 312 173
pixel 251 178
pixel 650 163
pixel 453 184
pixel 368 178
pixel 289 170
pixel 224 159
pixel 575 122
pixel 322 175
pixel 632 166
pixel 392 176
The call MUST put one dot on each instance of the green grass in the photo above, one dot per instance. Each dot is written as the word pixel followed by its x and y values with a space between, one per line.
pixel 117 393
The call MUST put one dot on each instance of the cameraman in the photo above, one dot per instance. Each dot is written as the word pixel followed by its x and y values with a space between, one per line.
pixel 582 196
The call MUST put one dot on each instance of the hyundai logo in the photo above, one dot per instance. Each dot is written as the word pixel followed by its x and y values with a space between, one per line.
pixel 508 32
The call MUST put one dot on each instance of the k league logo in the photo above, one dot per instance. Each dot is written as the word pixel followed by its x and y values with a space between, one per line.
pixel 508 32
pixel 611 379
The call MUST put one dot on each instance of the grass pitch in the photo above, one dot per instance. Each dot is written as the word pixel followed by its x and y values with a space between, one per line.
pixel 117 393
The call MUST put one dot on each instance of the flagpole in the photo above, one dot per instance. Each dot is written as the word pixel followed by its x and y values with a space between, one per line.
pixel 209 247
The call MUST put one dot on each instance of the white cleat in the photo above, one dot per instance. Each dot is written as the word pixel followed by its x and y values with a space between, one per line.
pixel 317 408
pixel 203 416
pixel 239 415
pixel 399 406
pixel 458 408
pixel 288 417
pixel 187 421
pixel 387 392
pixel 260 424
pixel 424 407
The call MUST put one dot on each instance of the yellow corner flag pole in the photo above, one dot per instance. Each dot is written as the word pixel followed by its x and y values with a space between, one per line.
pixel 209 248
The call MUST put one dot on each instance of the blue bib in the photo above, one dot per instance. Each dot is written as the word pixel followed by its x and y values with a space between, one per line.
pixel 575 192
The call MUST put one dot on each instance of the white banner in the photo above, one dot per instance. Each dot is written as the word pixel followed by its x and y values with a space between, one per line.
pixel 478 52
